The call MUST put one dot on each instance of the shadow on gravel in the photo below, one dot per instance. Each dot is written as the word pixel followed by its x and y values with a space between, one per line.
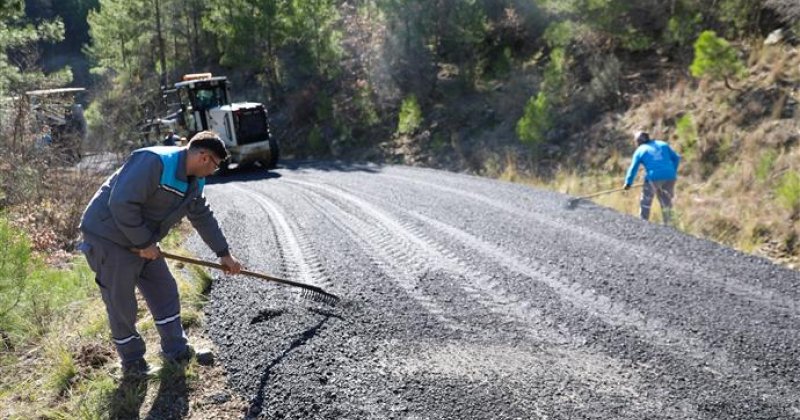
pixel 335 166
pixel 248 174
pixel 257 403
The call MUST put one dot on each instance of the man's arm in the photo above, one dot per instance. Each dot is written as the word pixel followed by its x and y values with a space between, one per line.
pixel 634 168
pixel 202 219
pixel 204 222
pixel 137 181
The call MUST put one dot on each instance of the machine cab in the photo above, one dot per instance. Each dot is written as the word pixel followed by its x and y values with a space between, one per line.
pixel 201 92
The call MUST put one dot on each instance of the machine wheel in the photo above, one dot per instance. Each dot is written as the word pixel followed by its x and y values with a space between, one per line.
pixel 274 153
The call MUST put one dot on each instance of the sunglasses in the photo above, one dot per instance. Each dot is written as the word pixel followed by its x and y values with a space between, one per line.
pixel 217 163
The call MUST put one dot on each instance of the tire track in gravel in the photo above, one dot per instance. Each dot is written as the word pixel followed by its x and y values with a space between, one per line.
pixel 765 296
pixel 334 353
pixel 562 354
pixel 427 255
pixel 485 291
pixel 656 331
pixel 401 265
pixel 390 359
pixel 683 288
pixel 758 338
pixel 299 257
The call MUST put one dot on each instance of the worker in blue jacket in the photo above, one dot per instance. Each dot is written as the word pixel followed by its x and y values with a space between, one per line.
pixel 131 212
pixel 661 171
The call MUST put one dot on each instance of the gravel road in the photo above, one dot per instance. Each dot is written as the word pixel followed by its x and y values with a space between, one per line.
pixel 468 298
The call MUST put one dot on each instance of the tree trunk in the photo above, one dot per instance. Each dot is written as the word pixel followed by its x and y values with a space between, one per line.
pixel 196 40
pixel 161 49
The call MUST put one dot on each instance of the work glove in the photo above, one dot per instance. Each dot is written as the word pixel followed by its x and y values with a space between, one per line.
pixel 626 187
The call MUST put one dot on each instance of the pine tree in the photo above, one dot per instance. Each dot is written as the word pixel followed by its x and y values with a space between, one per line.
pixel 716 59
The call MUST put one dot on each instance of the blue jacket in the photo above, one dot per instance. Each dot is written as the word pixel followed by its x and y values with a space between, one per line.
pixel 138 204
pixel 659 160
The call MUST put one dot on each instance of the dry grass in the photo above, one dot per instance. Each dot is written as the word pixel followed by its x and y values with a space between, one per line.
pixel 73 370
pixel 733 186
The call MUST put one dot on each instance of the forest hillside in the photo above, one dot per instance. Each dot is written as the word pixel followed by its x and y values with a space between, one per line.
pixel 539 91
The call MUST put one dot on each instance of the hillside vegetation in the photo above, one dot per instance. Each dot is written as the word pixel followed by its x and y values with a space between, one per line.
pixel 739 181
pixel 533 90
pixel 538 90
pixel 544 92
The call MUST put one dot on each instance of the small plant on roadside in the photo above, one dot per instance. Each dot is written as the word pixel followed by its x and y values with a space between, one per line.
pixel 716 59
pixel 535 121
pixel 765 164
pixel 410 117
pixel 788 192
pixel 688 137
pixel 32 295
pixel 15 264
pixel 64 370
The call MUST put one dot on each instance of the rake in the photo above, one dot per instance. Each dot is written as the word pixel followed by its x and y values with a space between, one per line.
pixel 573 202
pixel 309 291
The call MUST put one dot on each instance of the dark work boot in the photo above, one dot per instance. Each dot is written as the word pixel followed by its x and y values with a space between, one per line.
pixel 137 369
pixel 204 357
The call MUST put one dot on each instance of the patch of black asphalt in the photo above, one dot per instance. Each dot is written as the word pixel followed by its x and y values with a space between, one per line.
pixel 467 298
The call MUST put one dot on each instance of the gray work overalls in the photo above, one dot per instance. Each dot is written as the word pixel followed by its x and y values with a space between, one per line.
pixel 136 207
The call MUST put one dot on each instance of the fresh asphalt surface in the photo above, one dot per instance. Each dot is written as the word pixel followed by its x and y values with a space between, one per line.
pixel 468 298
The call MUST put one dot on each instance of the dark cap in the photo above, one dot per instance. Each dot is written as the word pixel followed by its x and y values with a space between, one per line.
pixel 641 137
pixel 209 140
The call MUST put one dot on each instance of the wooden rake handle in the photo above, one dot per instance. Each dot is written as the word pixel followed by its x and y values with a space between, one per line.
pixel 245 272
pixel 606 192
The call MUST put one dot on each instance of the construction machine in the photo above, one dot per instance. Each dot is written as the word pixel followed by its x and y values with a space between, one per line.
pixel 205 104
pixel 58 113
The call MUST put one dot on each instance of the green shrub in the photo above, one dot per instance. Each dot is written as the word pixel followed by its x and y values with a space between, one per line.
pixel 633 40
pixel 555 74
pixel 366 107
pixel 438 142
pixel 32 296
pixel 64 370
pixel 560 34
pixel 316 142
pixel 687 136
pixel 682 28
pixel 15 265
pixel 497 63
pixel 536 120
pixel 788 191
pixel 606 71
pixel 740 17
pixel 324 108
pixel 715 58
pixel 410 116
pixel 765 163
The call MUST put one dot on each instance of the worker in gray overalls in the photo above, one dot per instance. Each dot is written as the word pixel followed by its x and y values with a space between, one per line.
pixel 122 225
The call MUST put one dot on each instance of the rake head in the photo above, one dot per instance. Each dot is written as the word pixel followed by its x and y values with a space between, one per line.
pixel 573 203
pixel 319 295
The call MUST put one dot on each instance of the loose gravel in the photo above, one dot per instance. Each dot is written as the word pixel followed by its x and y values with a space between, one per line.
pixel 468 298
